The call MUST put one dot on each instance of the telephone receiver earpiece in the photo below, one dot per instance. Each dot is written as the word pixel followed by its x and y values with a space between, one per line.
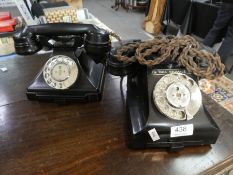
pixel 96 41
pixel 26 42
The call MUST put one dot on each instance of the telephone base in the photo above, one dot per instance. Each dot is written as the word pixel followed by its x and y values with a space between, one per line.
pixel 144 116
pixel 87 88
pixel 70 96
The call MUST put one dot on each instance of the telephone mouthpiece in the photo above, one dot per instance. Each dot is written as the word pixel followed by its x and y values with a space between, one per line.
pixel 97 44
pixel 26 44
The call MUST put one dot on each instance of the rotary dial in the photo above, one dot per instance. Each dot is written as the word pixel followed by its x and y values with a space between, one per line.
pixel 60 72
pixel 177 96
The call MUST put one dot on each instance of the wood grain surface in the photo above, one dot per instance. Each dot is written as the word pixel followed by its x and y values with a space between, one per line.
pixel 87 138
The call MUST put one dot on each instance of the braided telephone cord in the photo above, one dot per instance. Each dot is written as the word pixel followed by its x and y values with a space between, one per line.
pixel 184 50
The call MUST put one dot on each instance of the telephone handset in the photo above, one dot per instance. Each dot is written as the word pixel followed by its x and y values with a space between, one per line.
pixel 72 71
pixel 164 104
pixel 96 40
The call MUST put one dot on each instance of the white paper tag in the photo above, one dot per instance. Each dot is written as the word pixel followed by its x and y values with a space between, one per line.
pixel 153 134
pixel 181 130
pixel 3 69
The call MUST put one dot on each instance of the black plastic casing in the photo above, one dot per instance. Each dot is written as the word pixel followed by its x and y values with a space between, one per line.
pixel 119 68
pixel 87 88
pixel 97 42
pixel 144 116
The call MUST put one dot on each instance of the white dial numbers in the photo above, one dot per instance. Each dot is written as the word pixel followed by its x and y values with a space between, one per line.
pixel 60 72
pixel 177 96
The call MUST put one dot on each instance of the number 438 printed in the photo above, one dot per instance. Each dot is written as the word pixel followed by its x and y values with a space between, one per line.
pixel 181 130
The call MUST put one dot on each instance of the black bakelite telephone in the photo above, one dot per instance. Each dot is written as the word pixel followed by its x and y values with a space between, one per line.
pixel 164 105
pixel 72 72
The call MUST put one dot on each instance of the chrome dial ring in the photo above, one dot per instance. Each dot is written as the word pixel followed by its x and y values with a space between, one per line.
pixel 177 96
pixel 60 72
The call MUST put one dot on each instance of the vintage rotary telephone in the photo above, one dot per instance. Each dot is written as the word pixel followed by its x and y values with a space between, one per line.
pixel 164 101
pixel 72 72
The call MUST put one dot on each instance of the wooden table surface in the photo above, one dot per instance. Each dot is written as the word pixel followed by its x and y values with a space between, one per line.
pixel 46 138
